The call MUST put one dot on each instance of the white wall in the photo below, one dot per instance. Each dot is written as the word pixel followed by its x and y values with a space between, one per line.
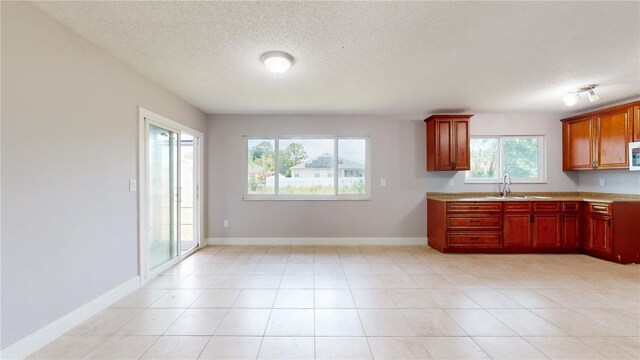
pixel 69 146
pixel 548 125
pixel 397 154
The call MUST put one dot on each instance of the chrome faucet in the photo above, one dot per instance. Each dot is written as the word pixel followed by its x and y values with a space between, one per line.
pixel 506 181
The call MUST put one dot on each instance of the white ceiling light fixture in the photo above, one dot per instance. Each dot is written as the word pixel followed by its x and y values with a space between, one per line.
pixel 574 96
pixel 277 61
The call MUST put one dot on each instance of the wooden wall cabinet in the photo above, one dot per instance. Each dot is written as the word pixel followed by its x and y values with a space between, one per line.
pixel 448 143
pixel 599 140
pixel 636 123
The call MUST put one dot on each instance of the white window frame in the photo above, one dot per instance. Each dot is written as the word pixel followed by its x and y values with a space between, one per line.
pixel 335 196
pixel 542 161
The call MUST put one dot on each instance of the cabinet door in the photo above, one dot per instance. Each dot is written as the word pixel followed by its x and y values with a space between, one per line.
pixel 461 145
pixel 613 134
pixel 517 230
pixel 600 234
pixel 570 231
pixel 546 231
pixel 577 145
pixel 444 133
pixel 636 123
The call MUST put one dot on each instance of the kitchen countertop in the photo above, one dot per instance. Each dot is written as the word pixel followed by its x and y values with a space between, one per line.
pixel 535 196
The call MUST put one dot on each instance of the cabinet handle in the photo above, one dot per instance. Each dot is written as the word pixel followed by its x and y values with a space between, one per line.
pixel 600 207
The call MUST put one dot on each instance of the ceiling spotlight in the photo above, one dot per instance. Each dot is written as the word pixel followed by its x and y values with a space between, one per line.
pixel 571 99
pixel 277 61
pixel 574 96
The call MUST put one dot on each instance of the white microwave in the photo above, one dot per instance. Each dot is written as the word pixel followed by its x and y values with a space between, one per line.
pixel 634 156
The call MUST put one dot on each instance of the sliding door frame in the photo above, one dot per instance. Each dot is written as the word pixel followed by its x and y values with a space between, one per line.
pixel 147 118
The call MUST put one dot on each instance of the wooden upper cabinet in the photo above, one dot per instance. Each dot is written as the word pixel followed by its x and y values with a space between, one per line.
pixel 578 144
pixel 636 123
pixel 613 134
pixel 599 140
pixel 448 143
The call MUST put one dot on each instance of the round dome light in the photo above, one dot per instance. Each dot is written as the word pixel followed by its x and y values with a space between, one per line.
pixel 277 61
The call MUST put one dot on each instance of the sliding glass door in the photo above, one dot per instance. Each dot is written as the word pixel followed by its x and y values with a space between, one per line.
pixel 171 194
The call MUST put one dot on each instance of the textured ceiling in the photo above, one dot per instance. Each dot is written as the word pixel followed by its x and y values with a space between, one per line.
pixel 372 58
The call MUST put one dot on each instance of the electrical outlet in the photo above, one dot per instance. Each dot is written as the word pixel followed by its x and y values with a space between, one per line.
pixel 133 185
pixel 226 223
pixel 451 182
pixel 383 182
pixel 603 182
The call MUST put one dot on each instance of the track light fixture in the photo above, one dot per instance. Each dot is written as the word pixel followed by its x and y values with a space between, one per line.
pixel 573 96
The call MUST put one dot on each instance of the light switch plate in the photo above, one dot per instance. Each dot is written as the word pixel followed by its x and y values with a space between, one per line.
pixel 603 182
pixel 226 223
pixel 383 182
pixel 133 185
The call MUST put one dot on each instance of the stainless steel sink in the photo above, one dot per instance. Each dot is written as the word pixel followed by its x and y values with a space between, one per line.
pixel 485 198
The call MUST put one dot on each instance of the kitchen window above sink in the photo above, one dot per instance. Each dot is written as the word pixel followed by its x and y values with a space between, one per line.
pixel 522 157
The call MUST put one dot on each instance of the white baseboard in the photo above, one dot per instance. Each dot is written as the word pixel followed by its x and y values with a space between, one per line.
pixel 317 241
pixel 32 343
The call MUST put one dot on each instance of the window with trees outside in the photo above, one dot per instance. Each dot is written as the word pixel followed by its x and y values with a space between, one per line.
pixel 307 168
pixel 522 157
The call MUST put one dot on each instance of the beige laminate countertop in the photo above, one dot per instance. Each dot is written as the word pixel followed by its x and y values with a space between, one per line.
pixel 547 196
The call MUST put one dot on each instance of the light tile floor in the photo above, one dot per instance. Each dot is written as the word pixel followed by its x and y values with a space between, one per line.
pixel 363 302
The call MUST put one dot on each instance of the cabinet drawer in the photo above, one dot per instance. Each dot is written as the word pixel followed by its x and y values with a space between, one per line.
pixel 493 222
pixel 474 239
pixel 600 208
pixel 517 207
pixel 570 206
pixel 474 207
pixel 546 206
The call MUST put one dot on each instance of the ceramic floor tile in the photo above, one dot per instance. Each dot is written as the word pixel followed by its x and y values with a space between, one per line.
pixel 364 282
pixel 256 298
pixel 263 282
pixel 573 323
pixel 398 348
pixel 397 282
pixel 291 322
pixel 453 348
pixel 229 281
pixel 216 298
pixel 342 348
pixel 452 299
pixel 122 348
pixel 68 347
pixel 373 299
pixel 385 322
pixel 333 299
pixel 245 322
pixel 526 323
pixel 105 323
pixel 287 348
pixel 563 348
pixel 614 347
pixel 297 282
pixel 431 322
pixel 491 299
pixel 229 347
pixel 478 322
pixel 412 299
pixel 139 299
pixel 330 282
pixel 509 348
pixel 294 299
pixel 298 268
pixel 531 299
pixel 176 347
pixel 337 322
pixel 431 282
pixel 151 322
pixel 176 299
pixel 197 322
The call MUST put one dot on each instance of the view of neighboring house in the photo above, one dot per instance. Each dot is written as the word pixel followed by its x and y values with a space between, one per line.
pixel 322 166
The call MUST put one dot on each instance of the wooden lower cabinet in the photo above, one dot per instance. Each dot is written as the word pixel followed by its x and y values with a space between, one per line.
pixel 610 231
pixel 546 231
pixel 517 230
pixel 570 231
pixel 600 233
